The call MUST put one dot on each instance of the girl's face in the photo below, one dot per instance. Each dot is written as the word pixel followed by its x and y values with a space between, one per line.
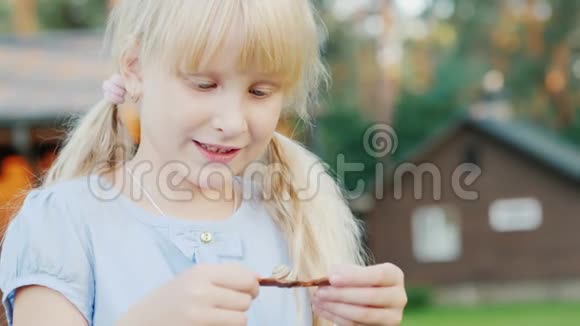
pixel 189 119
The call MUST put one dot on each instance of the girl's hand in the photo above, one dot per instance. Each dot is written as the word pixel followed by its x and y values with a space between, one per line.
pixel 114 90
pixel 203 295
pixel 372 295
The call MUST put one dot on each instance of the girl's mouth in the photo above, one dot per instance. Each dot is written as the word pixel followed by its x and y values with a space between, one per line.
pixel 217 153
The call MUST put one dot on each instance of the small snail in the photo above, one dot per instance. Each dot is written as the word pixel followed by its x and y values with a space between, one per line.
pixel 281 272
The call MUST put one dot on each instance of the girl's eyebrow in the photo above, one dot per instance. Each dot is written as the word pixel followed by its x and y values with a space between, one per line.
pixel 209 74
pixel 261 78
pixel 257 78
pixel 271 82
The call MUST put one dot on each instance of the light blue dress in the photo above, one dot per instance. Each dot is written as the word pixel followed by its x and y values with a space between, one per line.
pixel 106 254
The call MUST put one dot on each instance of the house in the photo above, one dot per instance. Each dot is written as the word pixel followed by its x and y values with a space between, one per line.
pixel 486 211
pixel 45 79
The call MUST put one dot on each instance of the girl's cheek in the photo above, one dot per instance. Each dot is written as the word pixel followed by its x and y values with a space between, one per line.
pixel 269 115
pixel 263 127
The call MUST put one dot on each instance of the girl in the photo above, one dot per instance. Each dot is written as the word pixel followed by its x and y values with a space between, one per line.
pixel 173 231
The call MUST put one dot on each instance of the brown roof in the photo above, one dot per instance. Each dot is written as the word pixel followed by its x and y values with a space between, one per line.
pixel 50 74
pixel 535 142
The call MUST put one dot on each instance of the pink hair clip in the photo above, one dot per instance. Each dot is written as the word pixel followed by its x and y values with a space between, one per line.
pixel 114 89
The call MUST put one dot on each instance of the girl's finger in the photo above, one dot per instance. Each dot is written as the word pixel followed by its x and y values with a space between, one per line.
pixel 222 298
pixel 332 317
pixel 358 276
pixel 387 297
pixel 245 281
pixel 227 299
pixel 361 314
pixel 221 317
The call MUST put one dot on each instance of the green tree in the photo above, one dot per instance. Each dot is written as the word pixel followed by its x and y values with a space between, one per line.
pixel 4 17
pixel 535 55
pixel 72 14
pixel 339 127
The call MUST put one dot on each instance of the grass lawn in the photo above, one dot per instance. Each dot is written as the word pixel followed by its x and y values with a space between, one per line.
pixel 547 314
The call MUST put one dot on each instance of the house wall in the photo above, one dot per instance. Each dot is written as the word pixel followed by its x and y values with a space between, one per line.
pixel 549 253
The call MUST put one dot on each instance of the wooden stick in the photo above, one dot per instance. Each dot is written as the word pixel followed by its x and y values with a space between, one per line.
pixel 291 284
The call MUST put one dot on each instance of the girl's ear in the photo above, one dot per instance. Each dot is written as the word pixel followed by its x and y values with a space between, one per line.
pixel 131 71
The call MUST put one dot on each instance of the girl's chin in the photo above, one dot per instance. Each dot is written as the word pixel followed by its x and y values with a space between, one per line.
pixel 214 177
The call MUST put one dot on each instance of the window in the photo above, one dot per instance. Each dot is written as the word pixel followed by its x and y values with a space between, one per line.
pixel 436 234
pixel 510 215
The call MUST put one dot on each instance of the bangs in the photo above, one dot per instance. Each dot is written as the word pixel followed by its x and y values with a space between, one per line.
pixel 276 37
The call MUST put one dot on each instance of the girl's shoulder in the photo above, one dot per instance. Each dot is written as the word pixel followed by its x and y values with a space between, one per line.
pixel 56 213
pixel 66 199
pixel 47 244
pixel 52 211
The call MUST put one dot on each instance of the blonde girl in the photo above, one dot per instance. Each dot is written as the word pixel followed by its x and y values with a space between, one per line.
pixel 174 231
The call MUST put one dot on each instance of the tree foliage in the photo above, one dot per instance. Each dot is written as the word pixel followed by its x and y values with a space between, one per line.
pixel 535 55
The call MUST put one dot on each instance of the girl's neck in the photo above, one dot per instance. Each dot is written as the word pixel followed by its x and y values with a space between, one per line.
pixel 170 189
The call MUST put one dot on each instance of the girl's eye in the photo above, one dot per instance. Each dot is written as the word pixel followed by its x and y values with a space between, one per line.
pixel 259 93
pixel 206 86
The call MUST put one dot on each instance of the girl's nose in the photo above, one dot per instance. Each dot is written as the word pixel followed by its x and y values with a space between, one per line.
pixel 230 119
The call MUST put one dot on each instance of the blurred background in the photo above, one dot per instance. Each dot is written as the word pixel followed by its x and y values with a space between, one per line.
pixel 487 84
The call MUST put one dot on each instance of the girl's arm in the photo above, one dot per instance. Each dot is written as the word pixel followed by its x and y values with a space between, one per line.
pixel 46 247
pixel 38 305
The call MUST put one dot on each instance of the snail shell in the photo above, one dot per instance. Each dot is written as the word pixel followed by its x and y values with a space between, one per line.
pixel 281 272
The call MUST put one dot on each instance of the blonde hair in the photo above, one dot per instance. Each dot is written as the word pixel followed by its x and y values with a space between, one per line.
pixel 281 37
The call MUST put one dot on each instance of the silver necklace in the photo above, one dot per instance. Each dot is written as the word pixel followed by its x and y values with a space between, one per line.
pixel 135 180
